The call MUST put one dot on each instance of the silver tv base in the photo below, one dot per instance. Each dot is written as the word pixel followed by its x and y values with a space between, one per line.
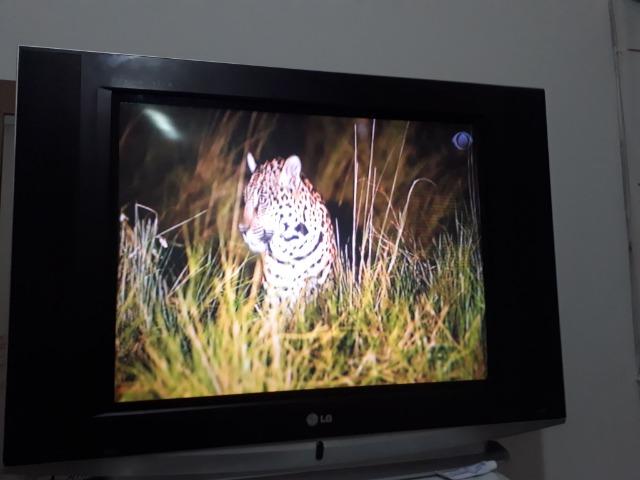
pixel 407 470
pixel 395 456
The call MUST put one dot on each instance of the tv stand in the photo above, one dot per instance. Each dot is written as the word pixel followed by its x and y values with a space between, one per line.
pixel 413 469
pixel 229 465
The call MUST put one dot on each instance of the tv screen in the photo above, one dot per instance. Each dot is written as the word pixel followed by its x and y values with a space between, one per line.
pixel 278 267
pixel 268 251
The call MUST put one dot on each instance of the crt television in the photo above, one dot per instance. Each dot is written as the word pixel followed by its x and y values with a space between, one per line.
pixel 285 269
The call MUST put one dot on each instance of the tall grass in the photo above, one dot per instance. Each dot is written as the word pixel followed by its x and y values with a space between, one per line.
pixel 190 322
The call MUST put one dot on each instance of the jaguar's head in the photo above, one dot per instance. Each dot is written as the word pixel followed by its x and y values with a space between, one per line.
pixel 273 218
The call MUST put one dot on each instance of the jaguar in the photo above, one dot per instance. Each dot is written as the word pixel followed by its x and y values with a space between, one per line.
pixel 286 221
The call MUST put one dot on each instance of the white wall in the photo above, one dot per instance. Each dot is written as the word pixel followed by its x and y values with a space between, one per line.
pixel 564 47
pixel 628 65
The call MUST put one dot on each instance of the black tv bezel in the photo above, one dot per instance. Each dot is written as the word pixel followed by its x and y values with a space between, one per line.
pixel 60 366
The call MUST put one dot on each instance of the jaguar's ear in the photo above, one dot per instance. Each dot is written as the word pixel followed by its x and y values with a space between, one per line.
pixel 251 162
pixel 290 175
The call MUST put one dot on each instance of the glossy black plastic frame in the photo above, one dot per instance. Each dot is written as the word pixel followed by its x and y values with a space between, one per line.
pixel 64 260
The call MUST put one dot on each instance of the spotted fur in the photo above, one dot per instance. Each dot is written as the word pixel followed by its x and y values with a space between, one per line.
pixel 287 222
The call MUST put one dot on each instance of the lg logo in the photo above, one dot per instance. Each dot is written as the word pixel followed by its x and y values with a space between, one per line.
pixel 314 419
